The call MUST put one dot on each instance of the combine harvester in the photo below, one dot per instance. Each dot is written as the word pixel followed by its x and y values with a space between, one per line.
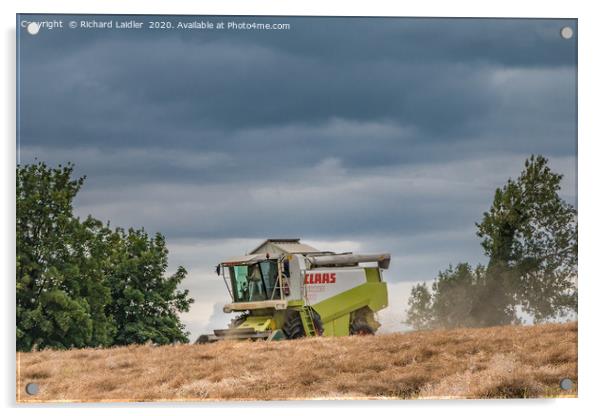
pixel 286 289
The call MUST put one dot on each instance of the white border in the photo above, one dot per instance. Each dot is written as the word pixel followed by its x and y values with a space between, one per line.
pixel 589 190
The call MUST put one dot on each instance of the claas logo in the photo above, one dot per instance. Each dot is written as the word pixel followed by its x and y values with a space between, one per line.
pixel 312 278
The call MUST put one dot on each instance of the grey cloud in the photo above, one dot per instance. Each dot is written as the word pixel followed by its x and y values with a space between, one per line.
pixel 197 88
pixel 321 200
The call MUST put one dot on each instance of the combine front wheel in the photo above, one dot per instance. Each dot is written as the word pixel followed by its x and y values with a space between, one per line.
pixel 293 327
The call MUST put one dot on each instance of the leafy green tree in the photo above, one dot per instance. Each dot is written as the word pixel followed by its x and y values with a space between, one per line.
pixel 530 237
pixel 60 292
pixel 79 283
pixel 146 303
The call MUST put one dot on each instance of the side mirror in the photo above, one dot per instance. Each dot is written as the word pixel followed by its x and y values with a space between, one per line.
pixel 217 269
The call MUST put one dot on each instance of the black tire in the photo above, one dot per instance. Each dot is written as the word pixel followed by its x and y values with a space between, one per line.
pixel 293 327
pixel 360 328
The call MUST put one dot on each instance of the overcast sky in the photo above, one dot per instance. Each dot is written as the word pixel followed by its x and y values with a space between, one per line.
pixel 360 134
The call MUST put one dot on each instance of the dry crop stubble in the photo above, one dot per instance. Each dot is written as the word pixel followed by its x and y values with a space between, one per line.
pixel 497 362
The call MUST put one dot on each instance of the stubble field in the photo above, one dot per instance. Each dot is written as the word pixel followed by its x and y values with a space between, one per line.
pixel 498 362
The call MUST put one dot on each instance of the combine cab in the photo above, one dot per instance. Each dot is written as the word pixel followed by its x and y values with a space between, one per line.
pixel 285 289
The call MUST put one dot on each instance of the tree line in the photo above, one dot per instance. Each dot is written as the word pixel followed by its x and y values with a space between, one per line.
pixel 80 283
pixel 529 235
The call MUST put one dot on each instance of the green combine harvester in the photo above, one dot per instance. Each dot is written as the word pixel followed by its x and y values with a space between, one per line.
pixel 285 289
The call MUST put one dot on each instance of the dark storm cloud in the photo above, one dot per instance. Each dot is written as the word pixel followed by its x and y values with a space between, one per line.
pixel 217 134
pixel 193 88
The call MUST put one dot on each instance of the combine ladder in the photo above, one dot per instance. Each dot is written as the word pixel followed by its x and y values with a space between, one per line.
pixel 308 322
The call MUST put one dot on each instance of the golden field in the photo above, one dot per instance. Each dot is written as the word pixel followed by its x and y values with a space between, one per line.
pixel 497 362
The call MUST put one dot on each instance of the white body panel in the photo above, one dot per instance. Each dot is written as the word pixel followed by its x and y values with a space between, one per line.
pixel 297 269
pixel 323 283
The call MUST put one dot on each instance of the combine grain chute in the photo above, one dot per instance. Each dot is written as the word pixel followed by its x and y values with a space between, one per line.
pixel 286 289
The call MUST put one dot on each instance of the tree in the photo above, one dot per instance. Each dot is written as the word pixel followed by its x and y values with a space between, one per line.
pixel 60 293
pixel 530 237
pixel 420 313
pixel 146 303
pixel 77 280
pixel 454 294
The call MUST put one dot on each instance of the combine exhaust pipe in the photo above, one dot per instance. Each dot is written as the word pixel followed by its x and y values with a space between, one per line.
pixel 349 259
